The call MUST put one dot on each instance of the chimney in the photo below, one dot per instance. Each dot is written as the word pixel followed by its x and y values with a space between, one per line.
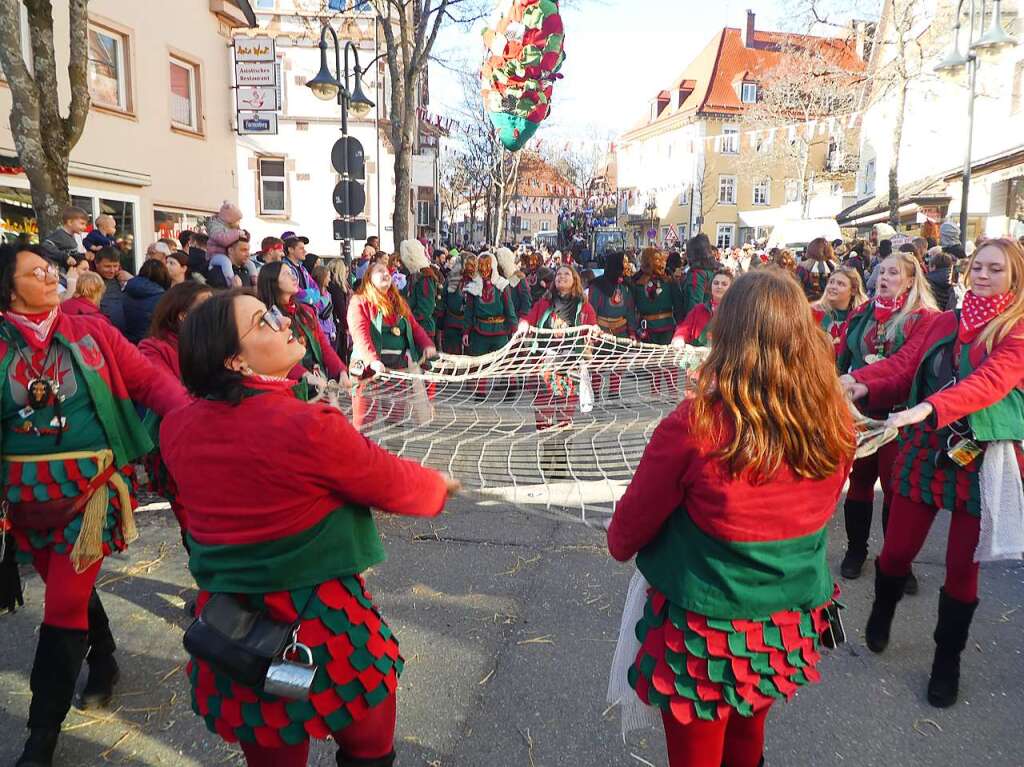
pixel 748 32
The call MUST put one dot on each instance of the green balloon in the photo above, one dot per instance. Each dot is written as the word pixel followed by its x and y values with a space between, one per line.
pixel 513 131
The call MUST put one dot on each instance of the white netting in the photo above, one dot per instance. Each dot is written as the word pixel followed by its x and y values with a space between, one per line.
pixel 554 423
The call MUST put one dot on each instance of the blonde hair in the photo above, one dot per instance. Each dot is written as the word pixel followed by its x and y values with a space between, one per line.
pixel 857 294
pixel 1000 327
pixel 90 285
pixel 920 294
pixel 337 267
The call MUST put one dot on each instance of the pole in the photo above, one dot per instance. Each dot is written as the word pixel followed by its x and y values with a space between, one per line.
pixel 965 189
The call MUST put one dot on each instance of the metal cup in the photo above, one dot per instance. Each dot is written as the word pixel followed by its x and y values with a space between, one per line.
pixel 289 678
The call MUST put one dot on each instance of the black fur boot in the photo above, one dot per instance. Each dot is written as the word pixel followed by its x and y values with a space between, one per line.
pixel 950 640
pixel 888 592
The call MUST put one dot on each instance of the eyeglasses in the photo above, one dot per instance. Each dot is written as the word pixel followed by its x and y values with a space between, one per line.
pixel 41 273
pixel 272 318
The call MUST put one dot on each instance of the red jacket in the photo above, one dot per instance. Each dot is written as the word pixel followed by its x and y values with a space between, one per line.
pixel 360 322
pixel 332 362
pixel 274 465
pixel 587 314
pixel 994 377
pixel 162 352
pixel 693 324
pixel 79 306
pixel 673 473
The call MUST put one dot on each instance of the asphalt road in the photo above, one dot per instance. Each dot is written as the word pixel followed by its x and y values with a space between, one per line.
pixel 507 622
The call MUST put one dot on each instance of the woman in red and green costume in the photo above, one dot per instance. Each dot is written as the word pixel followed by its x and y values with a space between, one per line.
pixel 657 299
pixel 615 310
pixel 728 516
pixel 462 271
pixel 901 310
pixel 963 380
pixel 277 287
pixel 424 285
pixel 522 301
pixel 843 293
pixel 290 537
pixel 70 434
pixel 693 331
pixel 701 269
pixel 490 316
pixel 385 335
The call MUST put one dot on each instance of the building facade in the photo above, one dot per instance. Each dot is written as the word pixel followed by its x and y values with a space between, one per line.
pixel 691 163
pixel 158 151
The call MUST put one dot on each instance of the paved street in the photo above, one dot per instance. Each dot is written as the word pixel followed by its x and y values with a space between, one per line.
pixel 507 623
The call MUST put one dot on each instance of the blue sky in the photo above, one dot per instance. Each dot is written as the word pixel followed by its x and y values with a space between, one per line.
pixel 619 54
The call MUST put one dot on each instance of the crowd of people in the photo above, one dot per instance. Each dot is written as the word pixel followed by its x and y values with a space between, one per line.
pixel 195 364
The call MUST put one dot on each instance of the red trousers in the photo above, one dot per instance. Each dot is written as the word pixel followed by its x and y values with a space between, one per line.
pixel 909 523
pixel 878 465
pixel 732 741
pixel 67 592
pixel 371 737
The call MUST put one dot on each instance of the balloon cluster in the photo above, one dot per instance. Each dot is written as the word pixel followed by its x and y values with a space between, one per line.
pixel 524 41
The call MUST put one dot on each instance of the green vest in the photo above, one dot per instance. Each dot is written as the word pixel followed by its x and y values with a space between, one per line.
pixel 387 341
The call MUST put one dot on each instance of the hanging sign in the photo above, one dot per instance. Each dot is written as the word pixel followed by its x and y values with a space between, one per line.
pixel 256 85
pixel 260 98
pixel 257 123
pixel 255 49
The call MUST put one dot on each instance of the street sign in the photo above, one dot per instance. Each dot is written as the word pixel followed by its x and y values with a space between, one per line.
pixel 349 145
pixel 255 49
pixel 349 198
pixel 255 73
pixel 350 230
pixel 255 123
pixel 261 98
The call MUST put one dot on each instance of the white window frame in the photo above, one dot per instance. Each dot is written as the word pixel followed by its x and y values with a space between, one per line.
pixel 751 89
pixel 423 213
pixel 729 230
pixel 792 193
pixel 869 176
pixel 262 178
pixel 193 85
pixel 727 183
pixel 730 139
pixel 681 233
pixel 123 81
pixel 762 185
pixel 684 195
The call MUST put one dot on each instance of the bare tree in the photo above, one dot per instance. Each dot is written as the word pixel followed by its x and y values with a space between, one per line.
pixel 793 129
pixel 43 136
pixel 704 195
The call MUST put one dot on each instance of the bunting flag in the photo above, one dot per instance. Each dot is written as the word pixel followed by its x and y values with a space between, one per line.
pixel 524 42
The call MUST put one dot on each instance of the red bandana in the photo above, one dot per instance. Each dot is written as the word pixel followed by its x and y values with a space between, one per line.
pixel 887 307
pixel 36 329
pixel 977 312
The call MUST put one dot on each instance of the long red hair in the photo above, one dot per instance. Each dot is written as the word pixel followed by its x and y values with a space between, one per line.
pixel 771 376
pixel 391 303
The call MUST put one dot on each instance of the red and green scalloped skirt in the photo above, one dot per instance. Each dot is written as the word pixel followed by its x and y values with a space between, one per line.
pixel 698 668
pixel 926 475
pixel 51 480
pixel 357 659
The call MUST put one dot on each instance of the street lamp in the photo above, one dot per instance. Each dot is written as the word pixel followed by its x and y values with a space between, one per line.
pixel 993 40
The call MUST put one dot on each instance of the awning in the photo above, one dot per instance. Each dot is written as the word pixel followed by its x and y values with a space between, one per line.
pixel 799 232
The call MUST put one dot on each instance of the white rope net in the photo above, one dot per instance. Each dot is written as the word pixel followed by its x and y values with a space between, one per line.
pixel 554 423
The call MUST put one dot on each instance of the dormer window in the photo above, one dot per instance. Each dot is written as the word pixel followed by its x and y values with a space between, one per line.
pixel 748 93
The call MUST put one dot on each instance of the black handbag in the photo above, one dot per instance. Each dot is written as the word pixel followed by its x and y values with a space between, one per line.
pixel 237 640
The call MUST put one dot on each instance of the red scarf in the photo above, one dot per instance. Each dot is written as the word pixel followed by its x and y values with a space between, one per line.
pixel 887 307
pixel 977 312
pixel 36 329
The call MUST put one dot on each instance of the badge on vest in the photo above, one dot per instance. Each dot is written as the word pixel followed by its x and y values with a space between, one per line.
pixel 964 452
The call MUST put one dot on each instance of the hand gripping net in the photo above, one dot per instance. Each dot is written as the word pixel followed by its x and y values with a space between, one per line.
pixel 554 423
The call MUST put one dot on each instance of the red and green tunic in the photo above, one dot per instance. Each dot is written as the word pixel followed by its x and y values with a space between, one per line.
pixel 522 301
pixel 422 293
pixel 375 336
pixel 293 537
pixel 320 354
pixel 454 321
pixel 738 574
pixel 490 319
pixel 100 374
pixel 694 329
pixel 614 307
pixel 696 288
pixel 833 322
pixel 659 306
pixel 987 402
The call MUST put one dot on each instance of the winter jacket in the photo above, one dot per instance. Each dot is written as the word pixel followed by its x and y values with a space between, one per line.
pixel 112 305
pixel 80 306
pixel 60 244
pixel 939 281
pixel 141 296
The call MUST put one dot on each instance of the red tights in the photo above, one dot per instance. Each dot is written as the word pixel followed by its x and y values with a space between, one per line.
pixel 371 737
pixel 67 592
pixel 909 523
pixel 866 470
pixel 731 741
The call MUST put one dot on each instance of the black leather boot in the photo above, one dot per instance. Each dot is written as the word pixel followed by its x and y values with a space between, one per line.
pixel 888 593
pixel 59 656
pixel 103 670
pixel 857 515
pixel 950 640
pixel 351 761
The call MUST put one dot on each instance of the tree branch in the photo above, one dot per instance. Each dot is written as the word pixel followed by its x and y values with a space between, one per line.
pixel 78 72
